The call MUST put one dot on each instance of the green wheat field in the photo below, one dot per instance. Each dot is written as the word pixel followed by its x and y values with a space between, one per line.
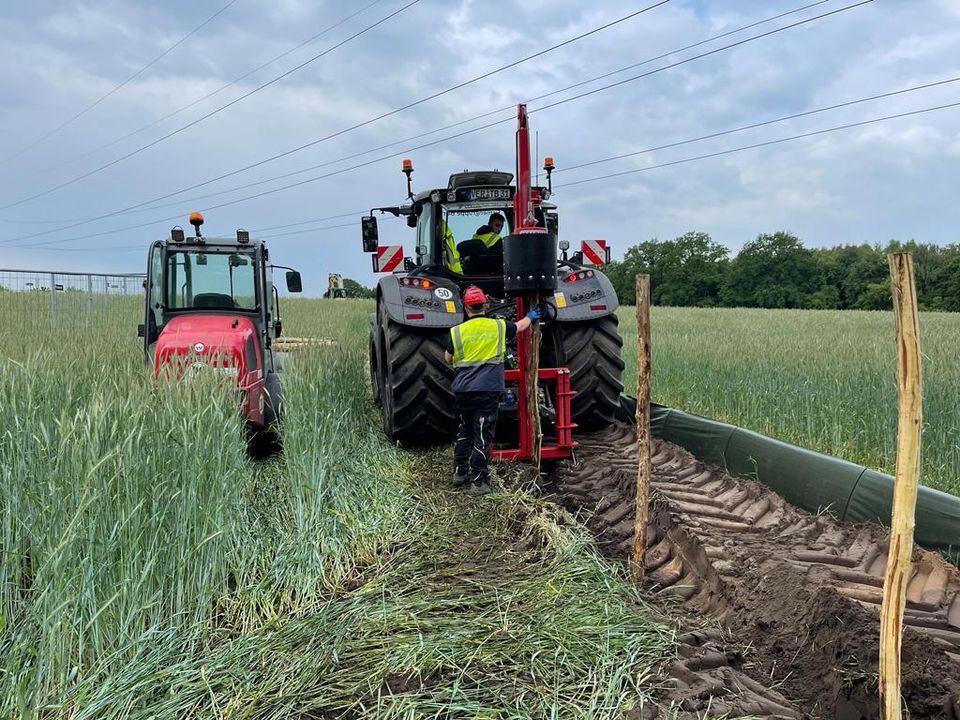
pixel 150 569
pixel 822 379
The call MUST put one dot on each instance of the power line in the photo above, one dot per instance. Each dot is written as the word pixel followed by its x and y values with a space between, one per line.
pixel 545 107
pixel 310 230
pixel 219 90
pixel 661 147
pixel 708 53
pixel 341 132
pixel 308 222
pixel 403 108
pixel 510 108
pixel 130 79
pixel 248 197
pixel 142 246
pixel 672 163
pixel 767 143
pixel 209 114
pixel 753 126
pixel 432 143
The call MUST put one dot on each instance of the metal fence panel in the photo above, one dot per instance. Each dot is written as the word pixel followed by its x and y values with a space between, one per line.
pixel 62 296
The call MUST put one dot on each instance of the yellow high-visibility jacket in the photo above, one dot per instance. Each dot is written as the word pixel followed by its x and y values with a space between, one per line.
pixel 479 346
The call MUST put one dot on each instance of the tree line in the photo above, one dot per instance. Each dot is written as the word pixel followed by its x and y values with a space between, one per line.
pixel 776 271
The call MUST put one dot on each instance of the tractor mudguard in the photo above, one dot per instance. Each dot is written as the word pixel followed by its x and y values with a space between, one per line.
pixel 584 299
pixel 437 307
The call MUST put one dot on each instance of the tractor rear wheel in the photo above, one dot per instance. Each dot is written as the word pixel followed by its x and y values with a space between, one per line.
pixel 416 401
pixel 376 381
pixel 593 352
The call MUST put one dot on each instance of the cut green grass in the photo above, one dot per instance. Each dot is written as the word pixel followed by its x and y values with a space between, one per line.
pixel 492 608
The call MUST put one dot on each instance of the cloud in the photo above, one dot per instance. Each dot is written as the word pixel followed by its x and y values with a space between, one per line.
pixel 870 183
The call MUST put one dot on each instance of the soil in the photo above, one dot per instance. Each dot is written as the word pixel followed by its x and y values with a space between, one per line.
pixel 799 592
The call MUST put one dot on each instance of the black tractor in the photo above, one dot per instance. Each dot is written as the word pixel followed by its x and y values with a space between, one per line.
pixel 420 300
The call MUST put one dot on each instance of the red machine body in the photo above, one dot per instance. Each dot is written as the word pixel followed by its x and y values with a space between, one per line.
pixel 524 202
pixel 224 342
pixel 211 306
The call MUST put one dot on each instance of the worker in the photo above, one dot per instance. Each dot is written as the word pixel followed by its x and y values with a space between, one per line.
pixel 489 234
pixel 451 256
pixel 476 348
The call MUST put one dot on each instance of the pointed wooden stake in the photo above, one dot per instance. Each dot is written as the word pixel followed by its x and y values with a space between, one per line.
pixel 643 429
pixel 907 478
pixel 533 387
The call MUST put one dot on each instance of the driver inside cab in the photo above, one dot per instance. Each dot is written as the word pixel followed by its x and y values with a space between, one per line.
pixel 488 234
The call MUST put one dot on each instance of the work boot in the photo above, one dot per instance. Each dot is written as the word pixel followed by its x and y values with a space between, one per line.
pixel 482 488
pixel 460 480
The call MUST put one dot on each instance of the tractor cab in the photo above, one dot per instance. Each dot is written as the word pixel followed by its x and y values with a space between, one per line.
pixel 211 302
pixel 456 226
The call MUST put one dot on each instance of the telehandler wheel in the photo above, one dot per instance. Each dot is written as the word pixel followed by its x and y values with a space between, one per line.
pixel 417 403
pixel 593 352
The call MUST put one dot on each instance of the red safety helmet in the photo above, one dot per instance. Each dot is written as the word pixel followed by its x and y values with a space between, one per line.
pixel 474 296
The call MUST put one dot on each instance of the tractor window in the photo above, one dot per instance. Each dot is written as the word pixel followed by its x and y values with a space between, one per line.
pixel 211 280
pixel 464 219
pixel 425 230
pixel 155 301
pixel 462 222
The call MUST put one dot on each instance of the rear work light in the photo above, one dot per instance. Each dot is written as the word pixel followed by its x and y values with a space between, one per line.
pixel 421 283
pixel 581 275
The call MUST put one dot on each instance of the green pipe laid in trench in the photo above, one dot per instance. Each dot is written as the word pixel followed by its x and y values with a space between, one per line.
pixel 810 480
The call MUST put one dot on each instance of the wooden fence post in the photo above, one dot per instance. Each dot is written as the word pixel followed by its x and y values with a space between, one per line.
pixel 533 387
pixel 907 476
pixel 643 428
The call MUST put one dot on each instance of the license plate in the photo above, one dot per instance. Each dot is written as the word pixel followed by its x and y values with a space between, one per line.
pixel 488 194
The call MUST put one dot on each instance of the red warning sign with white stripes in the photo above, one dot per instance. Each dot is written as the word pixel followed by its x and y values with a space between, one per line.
pixel 594 252
pixel 389 257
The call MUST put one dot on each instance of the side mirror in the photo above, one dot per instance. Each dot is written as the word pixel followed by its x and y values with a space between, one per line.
pixel 277 328
pixel 294 283
pixel 371 236
pixel 140 330
pixel 411 221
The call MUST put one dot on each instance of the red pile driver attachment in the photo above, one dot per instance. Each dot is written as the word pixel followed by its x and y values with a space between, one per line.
pixel 530 276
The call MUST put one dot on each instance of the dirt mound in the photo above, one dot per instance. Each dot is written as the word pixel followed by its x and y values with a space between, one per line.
pixel 801 591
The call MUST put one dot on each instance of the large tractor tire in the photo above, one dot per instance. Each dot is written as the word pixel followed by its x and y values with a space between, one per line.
pixel 593 352
pixel 376 381
pixel 416 402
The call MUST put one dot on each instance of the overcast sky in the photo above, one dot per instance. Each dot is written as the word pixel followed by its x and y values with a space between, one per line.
pixel 896 179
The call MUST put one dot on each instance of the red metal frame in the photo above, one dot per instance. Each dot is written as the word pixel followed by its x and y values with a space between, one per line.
pixel 563 425
pixel 524 201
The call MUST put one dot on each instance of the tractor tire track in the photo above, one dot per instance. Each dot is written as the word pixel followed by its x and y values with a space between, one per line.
pixel 801 590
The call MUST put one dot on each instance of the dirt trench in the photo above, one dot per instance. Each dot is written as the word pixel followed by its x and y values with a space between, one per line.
pixel 799 593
